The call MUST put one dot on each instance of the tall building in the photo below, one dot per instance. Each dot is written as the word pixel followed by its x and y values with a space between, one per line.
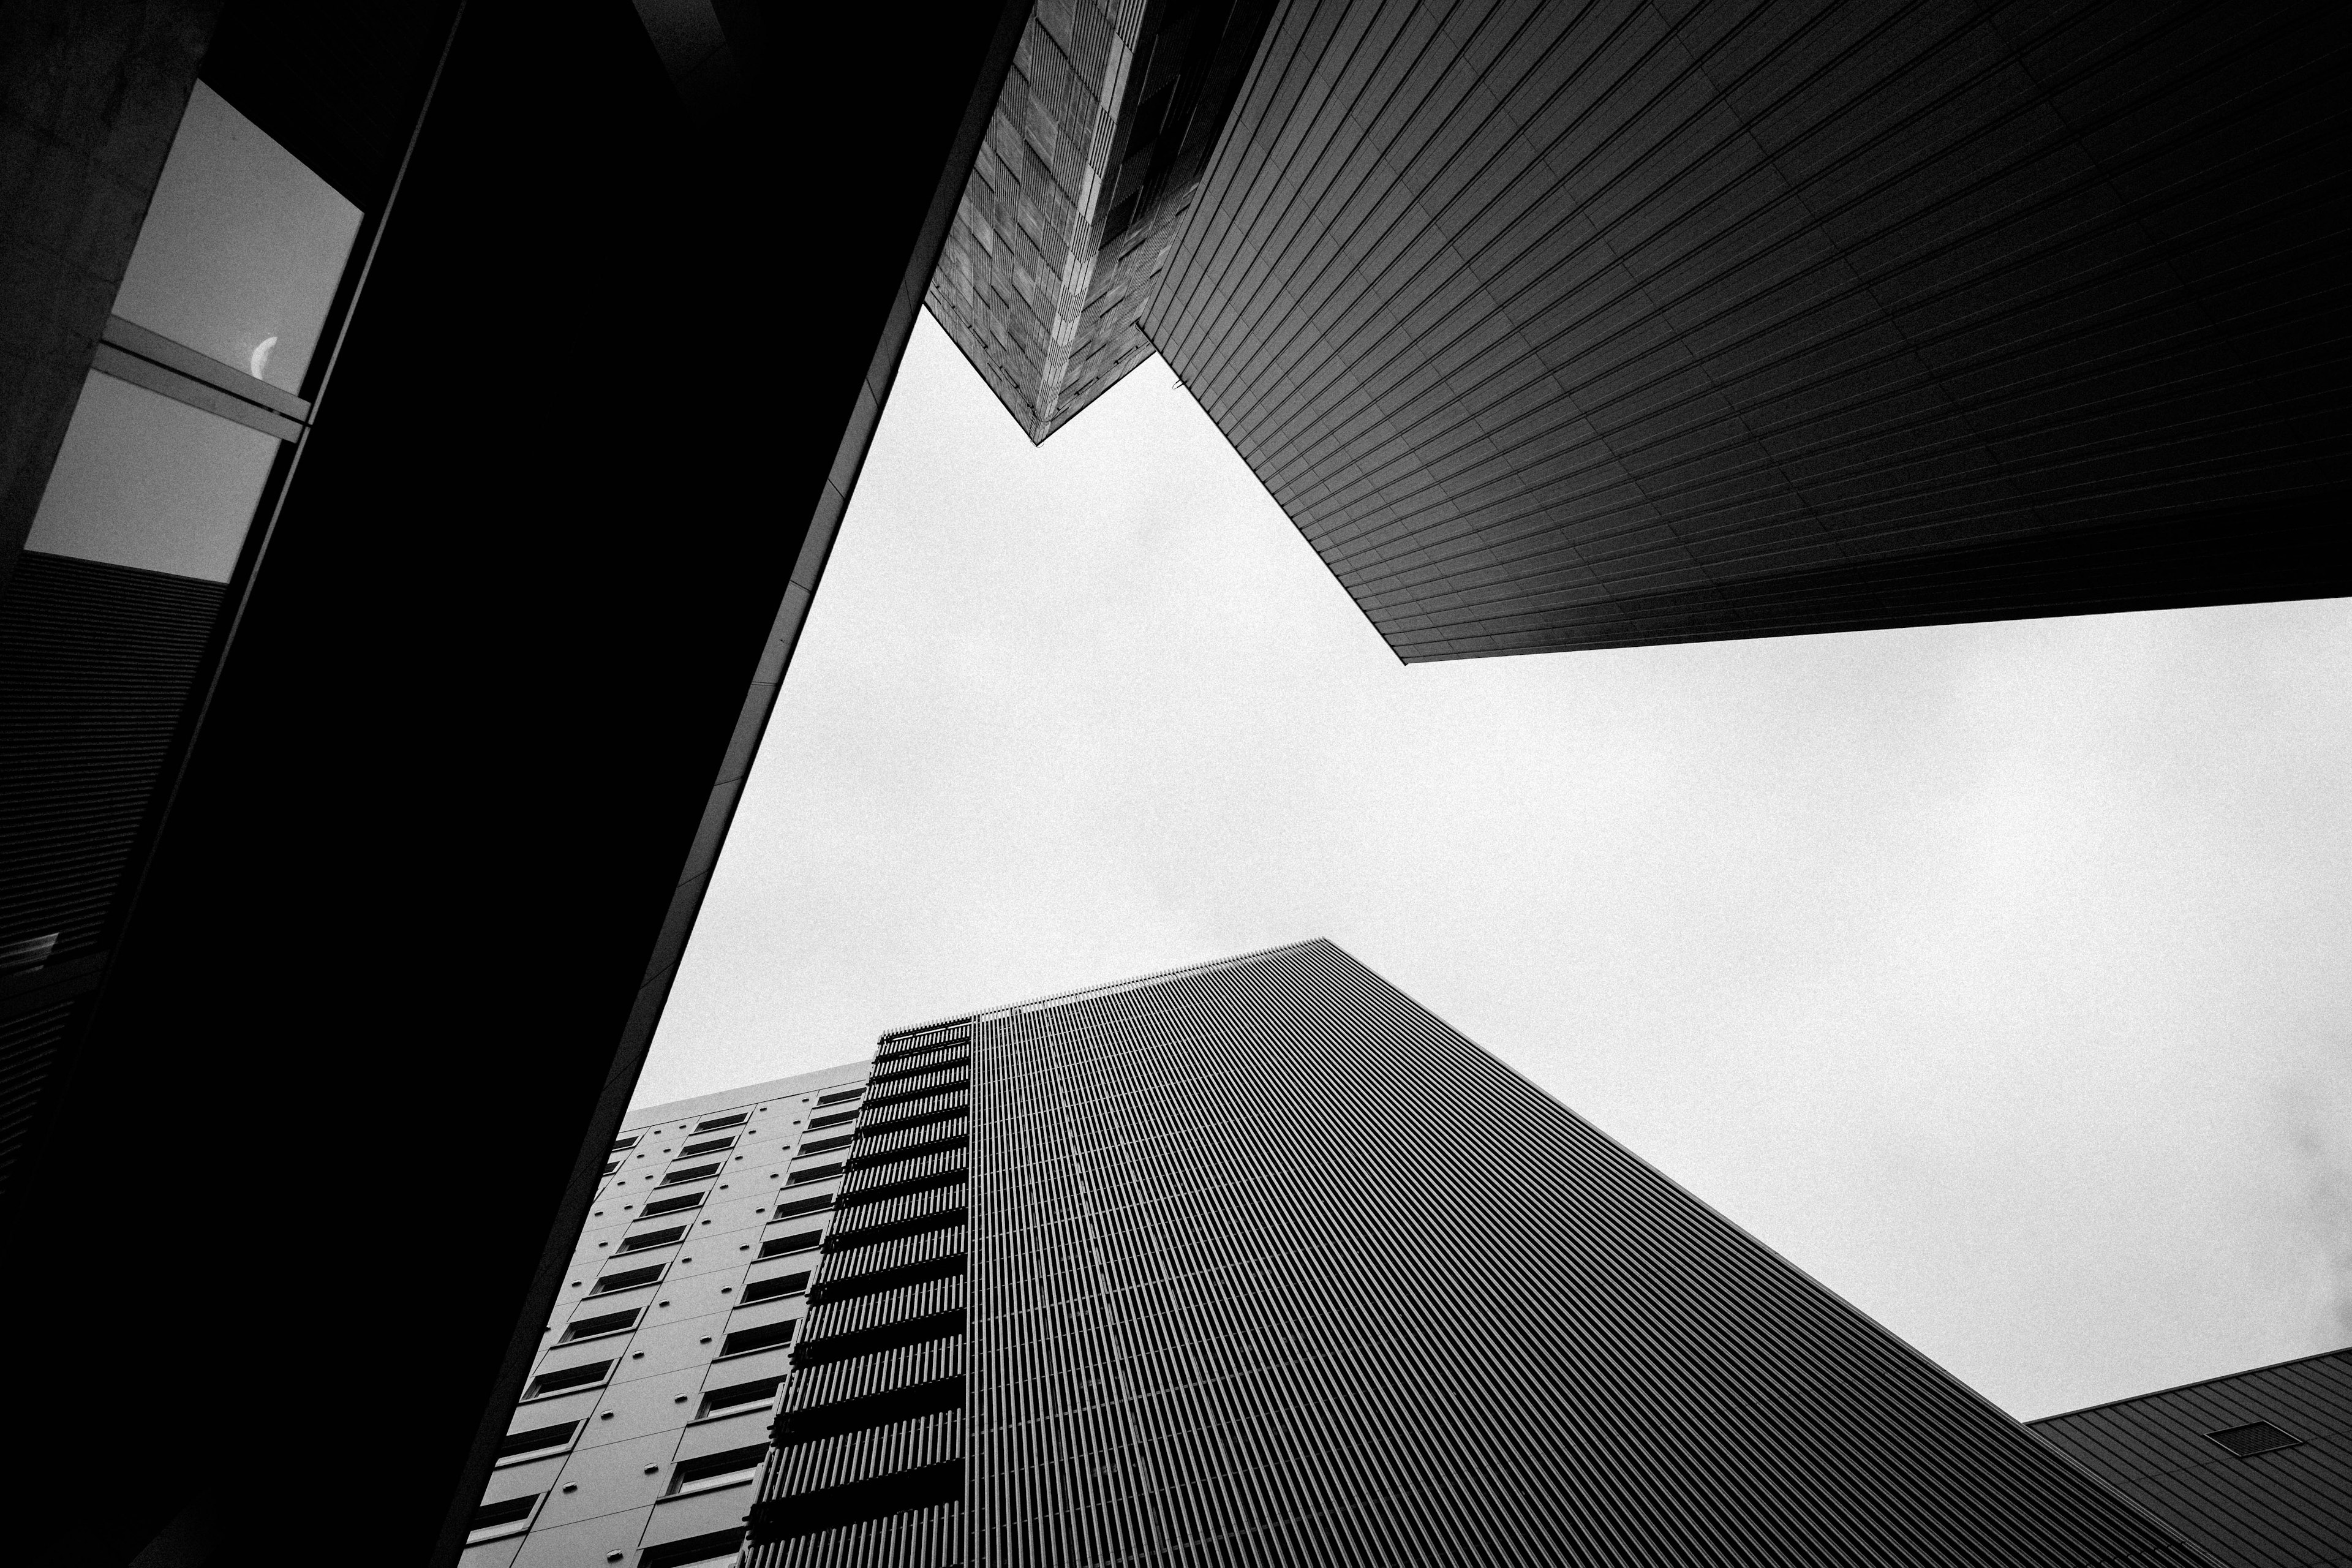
pixel 411 493
pixel 645 1418
pixel 2255 1468
pixel 1585 326
pixel 1081 192
pixel 1260 1262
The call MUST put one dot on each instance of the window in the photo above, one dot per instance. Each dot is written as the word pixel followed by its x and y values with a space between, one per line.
pixel 713 1471
pixel 627 1279
pixel 798 1241
pixel 836 1119
pixel 761 1338
pixel 824 1146
pixel 691 1173
pixel 755 1394
pixel 570 1378
pixel 539 1439
pixel 838 1095
pixel 629 1143
pixel 716 1123
pixel 494 1519
pixel 652 1238
pixel 769 1289
pixel 610 1166
pixel 673 1205
pixel 805 1206
pixel 720 1549
pixel 605 1323
pixel 813 1174
pixel 2254 1437
pixel 707 1146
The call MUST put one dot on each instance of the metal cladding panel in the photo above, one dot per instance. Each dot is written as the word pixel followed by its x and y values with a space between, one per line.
pixel 1558 326
pixel 2291 1508
pixel 1236 1300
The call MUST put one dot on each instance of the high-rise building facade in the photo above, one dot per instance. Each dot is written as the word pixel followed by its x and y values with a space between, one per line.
pixel 2255 1468
pixel 1259 1262
pixel 645 1419
pixel 1081 192
pixel 1582 326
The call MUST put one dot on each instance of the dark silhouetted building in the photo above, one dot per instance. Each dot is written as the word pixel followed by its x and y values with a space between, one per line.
pixel 1587 326
pixel 411 494
pixel 1260 1262
pixel 2255 1468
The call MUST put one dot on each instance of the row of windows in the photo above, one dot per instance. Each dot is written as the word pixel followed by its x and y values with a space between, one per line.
pixel 732 1118
pixel 709 1473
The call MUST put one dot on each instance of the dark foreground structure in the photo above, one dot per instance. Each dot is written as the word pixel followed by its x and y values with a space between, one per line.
pixel 426 427
pixel 1259 1262
pixel 2255 1468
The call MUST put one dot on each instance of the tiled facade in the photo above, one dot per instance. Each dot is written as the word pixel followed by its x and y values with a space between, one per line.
pixel 1082 191
pixel 1258 1262
pixel 684 1292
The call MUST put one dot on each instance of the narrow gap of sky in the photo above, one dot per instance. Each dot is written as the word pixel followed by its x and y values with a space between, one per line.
pixel 1994 974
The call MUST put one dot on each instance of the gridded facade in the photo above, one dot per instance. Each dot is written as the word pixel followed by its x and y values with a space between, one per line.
pixel 1258 1263
pixel 2255 1468
pixel 1647 321
pixel 644 1422
pixel 1081 192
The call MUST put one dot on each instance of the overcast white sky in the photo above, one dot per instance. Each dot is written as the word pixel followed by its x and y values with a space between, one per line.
pixel 1994 974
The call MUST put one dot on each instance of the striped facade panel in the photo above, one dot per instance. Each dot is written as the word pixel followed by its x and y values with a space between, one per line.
pixel 857 1227
pixel 2290 1507
pixel 876 1184
pixel 1558 326
pixel 873 1451
pixel 922 1538
pixel 97 662
pixel 867 1462
pixel 916 1086
pixel 1232 1303
pixel 814 1387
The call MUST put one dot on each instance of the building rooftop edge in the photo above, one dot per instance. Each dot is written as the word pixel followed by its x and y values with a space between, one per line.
pixel 766 1089
pixel 2192 1383
pixel 1079 993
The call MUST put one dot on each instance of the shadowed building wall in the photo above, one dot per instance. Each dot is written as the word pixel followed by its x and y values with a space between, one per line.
pixel 1259 1262
pixel 2255 1468
pixel 1576 326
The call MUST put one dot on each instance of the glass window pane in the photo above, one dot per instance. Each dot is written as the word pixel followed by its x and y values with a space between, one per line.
pixel 242 247
pixel 146 481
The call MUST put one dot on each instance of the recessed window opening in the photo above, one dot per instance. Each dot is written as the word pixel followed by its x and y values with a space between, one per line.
pixel 568 1379
pixel 537 1441
pixel 690 1173
pixel 720 1549
pixel 798 1241
pixel 713 1471
pixel 678 1204
pixel 839 1095
pixel 758 1394
pixel 764 1337
pixel 493 1521
pixel 2254 1437
pixel 769 1289
pixel 707 1146
pixel 629 1143
pixel 603 1323
pixel 627 1279
pixel 651 1239
pixel 716 1123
